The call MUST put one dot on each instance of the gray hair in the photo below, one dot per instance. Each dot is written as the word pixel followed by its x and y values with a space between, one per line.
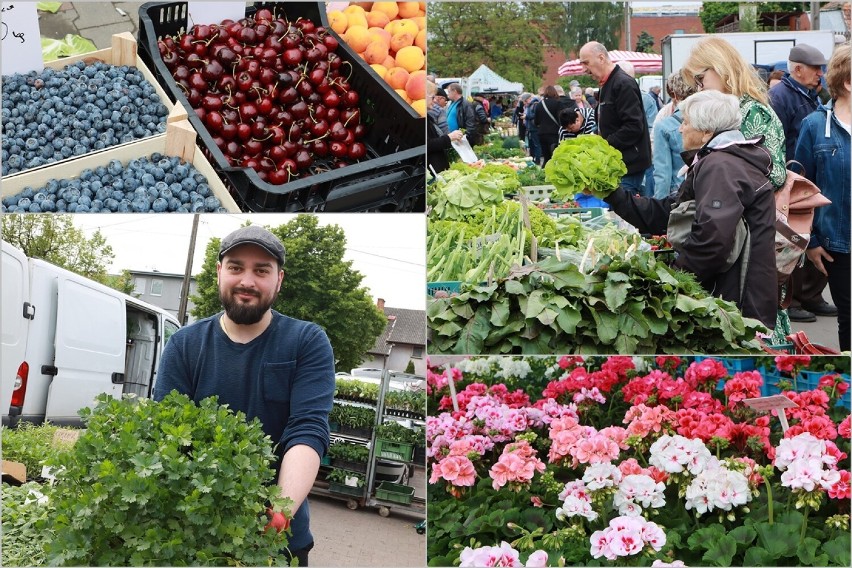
pixel 576 91
pixel 677 87
pixel 525 96
pixel 627 67
pixel 559 90
pixel 712 111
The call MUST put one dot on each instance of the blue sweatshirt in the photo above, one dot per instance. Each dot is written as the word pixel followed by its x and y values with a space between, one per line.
pixel 284 377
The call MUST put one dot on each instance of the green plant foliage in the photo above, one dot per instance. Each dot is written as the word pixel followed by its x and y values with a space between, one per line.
pixel 531 175
pixel 511 142
pixel 23 543
pixel 396 432
pixel 352 416
pixel 625 304
pixel 349 451
pixel 340 475
pixel 30 445
pixel 165 483
pixel 353 388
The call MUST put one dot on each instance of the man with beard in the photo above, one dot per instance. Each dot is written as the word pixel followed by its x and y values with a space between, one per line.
pixel 258 361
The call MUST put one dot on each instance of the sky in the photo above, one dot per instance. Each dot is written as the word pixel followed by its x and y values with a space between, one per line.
pixel 388 249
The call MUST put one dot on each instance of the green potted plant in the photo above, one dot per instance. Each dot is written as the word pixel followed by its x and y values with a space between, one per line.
pixel 346 482
pixel 357 421
pixel 349 456
pixel 394 441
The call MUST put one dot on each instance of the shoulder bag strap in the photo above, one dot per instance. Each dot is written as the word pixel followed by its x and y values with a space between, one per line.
pixel 547 110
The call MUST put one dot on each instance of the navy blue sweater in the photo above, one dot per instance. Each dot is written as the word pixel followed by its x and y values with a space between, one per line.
pixel 284 377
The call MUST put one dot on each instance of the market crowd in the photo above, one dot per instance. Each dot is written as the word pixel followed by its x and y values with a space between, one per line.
pixel 711 159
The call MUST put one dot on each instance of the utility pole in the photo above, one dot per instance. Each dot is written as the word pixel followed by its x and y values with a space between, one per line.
pixel 627 26
pixel 187 273
pixel 814 15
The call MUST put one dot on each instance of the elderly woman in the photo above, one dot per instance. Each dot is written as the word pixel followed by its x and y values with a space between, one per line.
pixel 727 177
pixel 823 149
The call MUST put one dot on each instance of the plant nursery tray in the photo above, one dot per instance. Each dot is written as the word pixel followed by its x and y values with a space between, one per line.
pixel 806 381
pixel 392 177
pixel 359 467
pixel 399 451
pixel 394 492
pixel 344 489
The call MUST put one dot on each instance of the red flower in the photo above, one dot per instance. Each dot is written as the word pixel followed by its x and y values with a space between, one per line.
pixel 841 489
pixel 789 363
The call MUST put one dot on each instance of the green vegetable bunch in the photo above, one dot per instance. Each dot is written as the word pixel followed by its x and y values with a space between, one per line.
pixel 584 162
pixel 627 303
pixel 166 483
pixel 26 524
pixel 30 445
pixel 531 175
pixel 462 193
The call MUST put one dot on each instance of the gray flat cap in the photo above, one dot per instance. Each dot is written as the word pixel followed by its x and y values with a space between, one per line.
pixel 253 235
pixel 807 54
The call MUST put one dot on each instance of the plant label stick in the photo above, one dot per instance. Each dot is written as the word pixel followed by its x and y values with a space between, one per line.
pixel 453 393
pixel 769 403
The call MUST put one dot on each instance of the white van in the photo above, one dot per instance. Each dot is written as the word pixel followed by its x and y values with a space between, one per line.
pixel 66 339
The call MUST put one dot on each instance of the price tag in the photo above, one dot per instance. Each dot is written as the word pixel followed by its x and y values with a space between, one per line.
pixel 21 41
pixel 769 403
pixel 215 12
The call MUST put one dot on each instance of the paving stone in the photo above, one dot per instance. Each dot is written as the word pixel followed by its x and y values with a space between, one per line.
pixel 96 14
pixel 57 26
pixel 132 10
pixel 101 36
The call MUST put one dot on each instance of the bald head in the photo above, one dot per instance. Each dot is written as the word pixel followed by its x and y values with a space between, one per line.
pixel 595 60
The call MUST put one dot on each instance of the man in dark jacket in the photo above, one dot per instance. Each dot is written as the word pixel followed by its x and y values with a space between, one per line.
pixel 794 98
pixel 620 113
pixel 461 115
pixel 728 179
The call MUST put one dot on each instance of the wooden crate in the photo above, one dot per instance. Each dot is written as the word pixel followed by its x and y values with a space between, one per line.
pixel 179 140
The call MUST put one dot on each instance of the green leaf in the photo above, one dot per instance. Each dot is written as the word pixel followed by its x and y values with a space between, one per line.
pixel 706 537
pixel 547 316
pixel 615 292
pixel 779 539
pixel 515 288
pixel 838 549
pixel 535 304
pixel 743 535
pixel 473 333
pixel 51 7
pixel 756 556
pixel 568 319
pixel 807 551
pixel 500 312
pixel 606 326
pixel 721 553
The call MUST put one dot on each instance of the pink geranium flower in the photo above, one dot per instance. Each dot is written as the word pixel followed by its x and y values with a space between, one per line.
pixel 841 489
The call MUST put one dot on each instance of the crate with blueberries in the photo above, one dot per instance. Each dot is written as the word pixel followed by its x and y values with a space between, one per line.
pixel 78 106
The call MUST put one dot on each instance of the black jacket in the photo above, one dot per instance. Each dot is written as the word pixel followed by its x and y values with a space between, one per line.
pixel 466 115
pixel 621 120
pixel 546 125
pixel 437 144
pixel 728 182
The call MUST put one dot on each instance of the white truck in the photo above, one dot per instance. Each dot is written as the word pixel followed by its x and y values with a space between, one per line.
pixel 66 339
pixel 758 48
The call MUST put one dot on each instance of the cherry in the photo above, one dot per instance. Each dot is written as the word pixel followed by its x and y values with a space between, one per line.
pixel 229 130
pixel 357 151
pixel 350 99
pixel 338 149
pixel 212 71
pixel 299 109
pixel 243 131
pixel 247 36
pixel 331 99
pixel 212 102
pixel 253 146
pixel 303 159
pixel 292 56
pixel 288 95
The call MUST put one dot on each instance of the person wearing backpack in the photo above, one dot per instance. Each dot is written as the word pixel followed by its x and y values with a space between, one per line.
pixel 727 179
pixel 532 130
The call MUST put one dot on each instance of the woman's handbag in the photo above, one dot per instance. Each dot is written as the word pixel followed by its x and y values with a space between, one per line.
pixel 680 224
pixel 795 202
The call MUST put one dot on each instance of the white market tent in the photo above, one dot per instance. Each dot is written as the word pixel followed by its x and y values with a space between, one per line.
pixel 486 81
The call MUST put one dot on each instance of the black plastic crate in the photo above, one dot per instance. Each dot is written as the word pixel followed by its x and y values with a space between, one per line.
pixel 391 178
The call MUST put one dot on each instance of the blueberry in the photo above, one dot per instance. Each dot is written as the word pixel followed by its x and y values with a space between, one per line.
pixel 212 203
pixel 160 205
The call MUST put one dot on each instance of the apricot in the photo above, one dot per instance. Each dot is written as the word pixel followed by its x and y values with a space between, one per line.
pixel 403 94
pixel 397 77
pixel 411 58
pixel 380 70
pixel 379 33
pixel 389 8
pixel 338 21
pixel 408 9
pixel 420 40
pixel 377 19
pixel 376 52
pixel 358 38
pixel 420 21
pixel 358 19
pixel 401 40
pixel 415 86
pixel 419 105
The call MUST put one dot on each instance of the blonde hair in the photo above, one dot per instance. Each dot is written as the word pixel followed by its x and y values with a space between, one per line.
pixel 431 88
pixel 837 72
pixel 737 75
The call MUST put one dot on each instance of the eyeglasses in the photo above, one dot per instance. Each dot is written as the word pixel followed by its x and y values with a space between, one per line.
pixel 699 79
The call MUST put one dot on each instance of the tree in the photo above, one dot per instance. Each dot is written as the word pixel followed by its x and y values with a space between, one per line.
pixel 410 367
pixel 645 42
pixel 463 36
pixel 54 238
pixel 712 12
pixel 319 286
pixel 577 23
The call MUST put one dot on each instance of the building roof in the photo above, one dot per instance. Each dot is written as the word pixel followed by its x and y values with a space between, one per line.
pixel 407 326
pixel 156 273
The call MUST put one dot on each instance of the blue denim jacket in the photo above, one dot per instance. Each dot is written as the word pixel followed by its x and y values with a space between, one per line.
pixel 668 144
pixel 823 148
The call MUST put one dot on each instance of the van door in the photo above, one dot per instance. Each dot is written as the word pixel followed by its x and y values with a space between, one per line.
pixel 91 338
pixel 15 315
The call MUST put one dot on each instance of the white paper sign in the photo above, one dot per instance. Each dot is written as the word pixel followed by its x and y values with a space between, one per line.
pixel 21 41
pixel 769 403
pixel 215 12
pixel 466 153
